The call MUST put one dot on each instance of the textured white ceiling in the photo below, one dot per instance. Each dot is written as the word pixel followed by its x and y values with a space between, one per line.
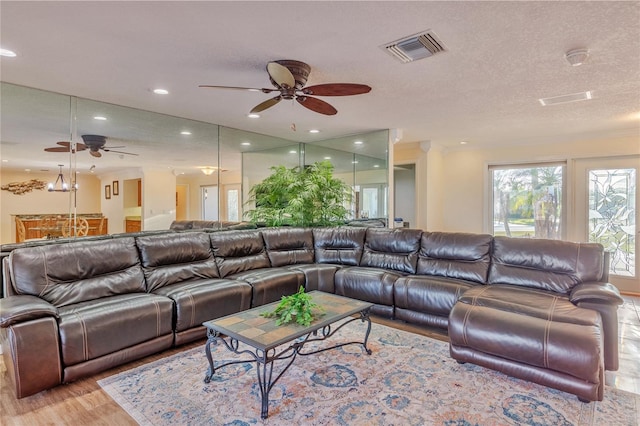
pixel 502 57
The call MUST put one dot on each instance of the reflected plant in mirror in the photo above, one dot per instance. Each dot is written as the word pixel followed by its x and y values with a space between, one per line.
pixel 309 196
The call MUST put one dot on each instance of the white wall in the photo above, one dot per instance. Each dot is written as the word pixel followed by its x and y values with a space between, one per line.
pixel 464 173
pixel 450 183
pixel 196 182
pixel 114 207
pixel 158 199
pixel 42 201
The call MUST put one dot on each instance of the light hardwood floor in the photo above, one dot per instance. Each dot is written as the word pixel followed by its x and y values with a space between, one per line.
pixel 84 403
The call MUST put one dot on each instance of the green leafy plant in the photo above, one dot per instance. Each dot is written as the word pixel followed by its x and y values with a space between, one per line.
pixel 298 306
pixel 310 196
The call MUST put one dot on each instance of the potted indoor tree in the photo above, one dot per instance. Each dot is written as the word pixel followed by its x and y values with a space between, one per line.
pixel 309 196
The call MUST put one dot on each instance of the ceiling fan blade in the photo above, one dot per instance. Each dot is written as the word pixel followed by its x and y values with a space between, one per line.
pixel 250 89
pixel 281 75
pixel 266 104
pixel 119 152
pixel 66 147
pixel 95 153
pixel 336 89
pixel 316 105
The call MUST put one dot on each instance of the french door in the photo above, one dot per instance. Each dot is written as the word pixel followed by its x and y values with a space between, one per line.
pixel 606 211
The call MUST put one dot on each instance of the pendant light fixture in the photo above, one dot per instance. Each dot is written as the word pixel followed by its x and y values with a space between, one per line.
pixel 60 185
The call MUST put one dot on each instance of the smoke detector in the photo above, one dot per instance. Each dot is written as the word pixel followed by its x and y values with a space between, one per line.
pixel 577 57
pixel 414 47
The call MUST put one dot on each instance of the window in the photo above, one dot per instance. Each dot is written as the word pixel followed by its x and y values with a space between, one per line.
pixel 527 200
pixel 233 214
pixel 612 200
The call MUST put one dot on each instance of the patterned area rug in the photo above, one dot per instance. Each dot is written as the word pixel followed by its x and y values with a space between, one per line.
pixel 408 380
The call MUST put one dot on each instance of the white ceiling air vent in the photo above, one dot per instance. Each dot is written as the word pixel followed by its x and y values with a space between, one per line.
pixel 564 99
pixel 417 46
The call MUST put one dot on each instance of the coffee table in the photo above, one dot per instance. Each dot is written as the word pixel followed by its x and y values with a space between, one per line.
pixel 263 336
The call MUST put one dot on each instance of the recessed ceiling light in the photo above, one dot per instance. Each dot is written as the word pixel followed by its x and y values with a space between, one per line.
pixel 99 117
pixel 253 115
pixel 358 143
pixel 327 158
pixel 376 165
pixel 161 91
pixel 8 53
pixel 5 161
pixel 293 151
pixel 463 142
pixel 245 143
pixel 314 131
pixel 185 132
pixel 354 162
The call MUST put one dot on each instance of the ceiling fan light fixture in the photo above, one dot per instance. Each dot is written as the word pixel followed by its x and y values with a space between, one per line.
pixel 208 170
pixel 253 115
pixel 161 91
pixel 577 57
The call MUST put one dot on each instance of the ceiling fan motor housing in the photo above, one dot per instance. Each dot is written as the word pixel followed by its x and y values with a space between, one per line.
pixel 300 71
pixel 94 140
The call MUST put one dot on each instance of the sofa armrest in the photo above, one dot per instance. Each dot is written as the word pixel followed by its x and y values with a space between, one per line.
pixel 592 292
pixel 16 309
pixel 603 298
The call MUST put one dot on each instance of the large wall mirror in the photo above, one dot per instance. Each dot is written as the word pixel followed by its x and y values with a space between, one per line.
pixel 128 170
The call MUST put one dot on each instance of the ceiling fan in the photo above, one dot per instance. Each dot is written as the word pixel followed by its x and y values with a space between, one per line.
pixel 94 143
pixel 289 77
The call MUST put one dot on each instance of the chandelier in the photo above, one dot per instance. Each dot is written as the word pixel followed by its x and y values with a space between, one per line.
pixel 60 185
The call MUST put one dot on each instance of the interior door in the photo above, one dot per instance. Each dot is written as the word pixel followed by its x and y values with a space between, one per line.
pixel 210 205
pixel 606 211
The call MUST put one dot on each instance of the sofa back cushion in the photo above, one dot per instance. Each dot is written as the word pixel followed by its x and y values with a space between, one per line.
pixel 288 246
pixel 395 249
pixel 238 251
pixel 545 264
pixel 64 274
pixel 340 246
pixel 455 255
pixel 171 258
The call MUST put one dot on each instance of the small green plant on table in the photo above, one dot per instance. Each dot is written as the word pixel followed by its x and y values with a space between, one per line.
pixel 298 306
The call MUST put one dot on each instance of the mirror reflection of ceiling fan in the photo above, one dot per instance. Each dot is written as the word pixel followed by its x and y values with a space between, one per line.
pixel 289 77
pixel 94 143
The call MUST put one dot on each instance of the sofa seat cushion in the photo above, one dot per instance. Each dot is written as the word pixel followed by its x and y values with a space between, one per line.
pixel 427 294
pixel 369 284
pixel 270 284
pixel 197 301
pixel 529 302
pixel 531 328
pixel 99 327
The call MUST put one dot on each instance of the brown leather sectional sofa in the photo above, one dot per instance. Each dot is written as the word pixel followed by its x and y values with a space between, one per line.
pixel 536 309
